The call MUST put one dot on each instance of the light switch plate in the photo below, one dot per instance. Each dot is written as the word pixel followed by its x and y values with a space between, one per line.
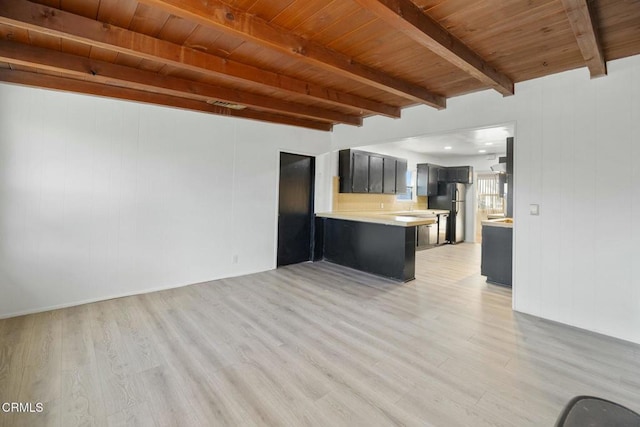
pixel 534 209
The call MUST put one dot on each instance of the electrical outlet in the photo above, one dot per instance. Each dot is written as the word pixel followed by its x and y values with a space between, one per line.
pixel 381 205
pixel 235 259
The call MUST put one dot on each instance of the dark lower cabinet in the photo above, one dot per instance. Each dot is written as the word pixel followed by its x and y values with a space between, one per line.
pixel 497 256
pixel 385 250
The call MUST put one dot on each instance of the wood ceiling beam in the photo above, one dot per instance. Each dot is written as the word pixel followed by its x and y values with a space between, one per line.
pixel 108 73
pixel 26 78
pixel 405 16
pixel 584 28
pixel 46 20
pixel 220 16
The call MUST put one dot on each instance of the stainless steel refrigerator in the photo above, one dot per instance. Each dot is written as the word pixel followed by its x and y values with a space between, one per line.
pixel 451 197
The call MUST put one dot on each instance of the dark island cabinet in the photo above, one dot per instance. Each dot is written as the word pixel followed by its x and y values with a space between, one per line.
pixel 363 172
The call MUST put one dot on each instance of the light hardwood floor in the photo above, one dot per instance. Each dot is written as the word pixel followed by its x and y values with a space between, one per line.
pixel 311 344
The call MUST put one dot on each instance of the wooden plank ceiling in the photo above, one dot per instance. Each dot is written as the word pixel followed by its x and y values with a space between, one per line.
pixel 309 63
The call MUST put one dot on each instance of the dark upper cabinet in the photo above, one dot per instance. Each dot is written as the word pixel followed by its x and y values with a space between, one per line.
pixel 433 173
pixel 460 174
pixel 401 176
pixel 443 175
pixel 376 174
pixel 428 177
pixel 422 179
pixel 362 172
pixel 389 180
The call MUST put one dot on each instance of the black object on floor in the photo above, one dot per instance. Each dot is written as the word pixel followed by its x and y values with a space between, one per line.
pixel 589 411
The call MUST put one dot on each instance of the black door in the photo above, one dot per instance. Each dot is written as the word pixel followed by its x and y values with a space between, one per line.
pixel 295 211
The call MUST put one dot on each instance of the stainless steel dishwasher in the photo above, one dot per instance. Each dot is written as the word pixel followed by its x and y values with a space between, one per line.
pixel 427 235
pixel 442 229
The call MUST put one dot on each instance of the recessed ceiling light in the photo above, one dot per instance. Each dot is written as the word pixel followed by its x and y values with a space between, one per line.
pixel 488 143
pixel 448 147
pixel 482 151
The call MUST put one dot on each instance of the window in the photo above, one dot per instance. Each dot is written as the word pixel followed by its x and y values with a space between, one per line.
pixel 489 195
pixel 409 194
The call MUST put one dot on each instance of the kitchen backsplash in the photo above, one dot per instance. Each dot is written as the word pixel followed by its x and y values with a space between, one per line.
pixel 349 202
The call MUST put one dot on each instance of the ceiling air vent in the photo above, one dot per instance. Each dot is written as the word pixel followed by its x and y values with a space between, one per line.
pixel 226 104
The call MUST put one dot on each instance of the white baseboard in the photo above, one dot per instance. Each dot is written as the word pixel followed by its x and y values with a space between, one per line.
pixel 114 296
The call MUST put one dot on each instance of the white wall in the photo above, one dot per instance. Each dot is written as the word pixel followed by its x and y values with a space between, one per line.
pixel 102 198
pixel 577 155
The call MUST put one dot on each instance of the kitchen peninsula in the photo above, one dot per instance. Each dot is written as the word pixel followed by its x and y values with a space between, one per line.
pixel 378 242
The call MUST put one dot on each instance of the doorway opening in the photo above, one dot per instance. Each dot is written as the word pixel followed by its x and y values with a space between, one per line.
pixel 295 209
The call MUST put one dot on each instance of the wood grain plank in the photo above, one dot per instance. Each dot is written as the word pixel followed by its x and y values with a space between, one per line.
pixel 148 20
pixel 101 37
pixel 81 395
pixel 177 30
pixel 119 385
pixel 15 340
pixel 321 344
pixel 219 16
pixel 135 416
pixel 408 18
pixel 27 76
pixel 117 12
pixel 104 72
pixel 267 10
pixel 583 26
pixel 86 8
pixel 296 13
pixel 41 379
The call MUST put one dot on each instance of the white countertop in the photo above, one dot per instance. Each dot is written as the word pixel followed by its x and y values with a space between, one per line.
pixel 499 222
pixel 397 218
